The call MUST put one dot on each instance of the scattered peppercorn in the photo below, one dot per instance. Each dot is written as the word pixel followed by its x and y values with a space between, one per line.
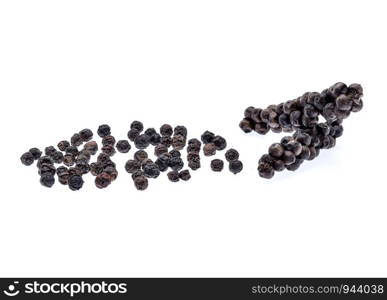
pixel 141 183
pixel 151 170
pixel 217 165
pixel 173 176
pixel 137 125
pixel 27 159
pixel 63 145
pixel 76 140
pixel 49 151
pixel 75 182
pixel 207 137
pixel 142 141
pixel 103 130
pixel 86 135
pixel 185 175
pixel 176 163
pixel 140 155
pixel 47 180
pixel 132 166
pixel 123 146
pixel 132 134
pixel 36 153
pixel 178 142
pixel 180 130
pixel 102 180
pixel 219 142
pixel 166 130
pixel 91 147
pixel 235 166
pixel 160 149
pixel 231 155
pixel 109 150
pixel 209 149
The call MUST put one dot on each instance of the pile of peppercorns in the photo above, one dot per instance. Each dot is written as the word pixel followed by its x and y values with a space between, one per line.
pixel 302 116
pixel 76 162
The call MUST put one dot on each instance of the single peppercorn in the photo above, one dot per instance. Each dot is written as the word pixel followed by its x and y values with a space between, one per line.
pixel 86 134
pixel 91 147
pixel 185 175
pixel 112 171
pixel 83 166
pixel 142 141
pixel 47 168
pixel 160 149
pixel 163 161
pixel 123 146
pixel 75 182
pixel 150 131
pixel 235 166
pixel 63 145
pixel 36 153
pixel 68 160
pixel 108 140
pixel 175 153
pixel 76 140
pixel 47 180
pixel 278 165
pixel 44 160
pixel 132 134
pixel 74 171
pixel 207 137
pixel 96 168
pixel 194 147
pixel 27 159
pixel 180 130
pixel 265 170
pixel 219 142
pixel 178 142
pixel 193 156
pixel 276 150
pixel 102 180
pixel 72 150
pixel 217 165
pixel 132 166
pixel 151 170
pixel 49 151
pixel 173 176
pixel 137 174
pixel 140 155
pixel 246 125
pixel 137 125
pixel 209 149
pixel 166 140
pixel 176 163
pixel 57 157
pixel 155 139
pixel 103 130
pixel 141 183
pixel 194 164
pixel 288 157
pixel 166 130
pixel 231 155
pixel 109 150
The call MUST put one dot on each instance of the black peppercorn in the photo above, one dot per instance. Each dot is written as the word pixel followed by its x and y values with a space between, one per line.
pixel 261 128
pixel 75 182
pixel 36 153
pixel 209 149
pixel 235 166
pixel 44 160
pixel 102 180
pixel 150 131
pixel 276 150
pixel 166 140
pixel 160 149
pixel 141 183
pixel 83 166
pixel 151 170
pixel 180 130
pixel 173 176
pixel 246 125
pixel 265 171
pixel 278 165
pixel 103 130
pixel 68 159
pixel 175 153
pixel 140 155
pixel 27 159
pixel 72 150
pixel 231 155
pixel 63 145
pixel 137 125
pixel 185 175
pixel 50 150
pixel 91 147
pixel 194 164
pixel 112 171
pixel 142 141
pixel 57 157
pixel 47 168
pixel 47 180
pixel 176 163
pixel 109 150
pixel 132 166
pixel 178 142
pixel 108 140
pixel 207 137
pixel 132 134
pixel 137 173
pixel 163 161
pixel 86 134
pixel 217 165
pixel 219 142
pixel 166 130
pixel 76 140
pixel 96 168
pixel 192 156
pixel 123 146
pixel 155 139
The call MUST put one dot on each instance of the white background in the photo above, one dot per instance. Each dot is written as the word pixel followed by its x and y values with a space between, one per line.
pixel 67 65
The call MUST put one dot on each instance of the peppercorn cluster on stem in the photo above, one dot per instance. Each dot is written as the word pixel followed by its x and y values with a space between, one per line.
pixel 301 115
